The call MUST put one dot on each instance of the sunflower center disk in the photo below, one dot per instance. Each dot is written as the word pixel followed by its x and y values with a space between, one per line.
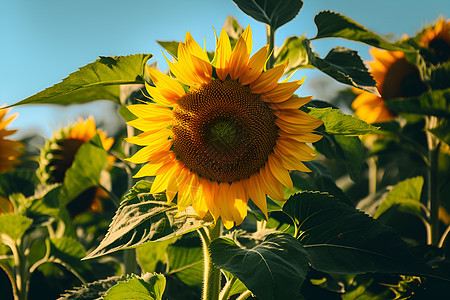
pixel 223 132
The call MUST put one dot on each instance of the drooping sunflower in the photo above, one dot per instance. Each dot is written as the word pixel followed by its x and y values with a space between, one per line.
pixel 396 77
pixel 436 39
pixel 9 150
pixel 58 155
pixel 222 132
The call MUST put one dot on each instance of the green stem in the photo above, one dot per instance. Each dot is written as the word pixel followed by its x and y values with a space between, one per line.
pixel 244 295
pixel 271 41
pixel 21 290
pixel 372 165
pixel 432 186
pixel 227 288
pixel 211 274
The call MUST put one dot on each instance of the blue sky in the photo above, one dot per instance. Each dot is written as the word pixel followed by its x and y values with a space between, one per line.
pixel 43 41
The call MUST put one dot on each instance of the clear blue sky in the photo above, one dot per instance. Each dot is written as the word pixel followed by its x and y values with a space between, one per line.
pixel 43 41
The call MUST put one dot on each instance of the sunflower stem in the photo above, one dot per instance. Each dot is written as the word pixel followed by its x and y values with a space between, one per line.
pixel 432 187
pixel 211 274
pixel 271 41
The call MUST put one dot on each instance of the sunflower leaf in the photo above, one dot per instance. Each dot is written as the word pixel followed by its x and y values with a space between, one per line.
pixel 279 260
pixel 272 12
pixel 154 285
pixel 149 287
pixel 99 80
pixel 13 226
pixel 143 217
pixel 332 24
pixel 434 103
pixel 84 172
pixel 341 239
pixel 442 131
pixel 336 122
pixel 170 46
pixel 345 66
pixel 294 51
pixel 405 196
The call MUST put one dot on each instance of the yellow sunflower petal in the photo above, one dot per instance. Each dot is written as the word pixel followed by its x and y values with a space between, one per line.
pixel 255 66
pixel 281 92
pixel 238 59
pixel 268 80
pixel 169 87
pixel 223 53
pixel 280 173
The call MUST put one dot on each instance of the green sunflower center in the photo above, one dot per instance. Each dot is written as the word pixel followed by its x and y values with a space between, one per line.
pixel 223 132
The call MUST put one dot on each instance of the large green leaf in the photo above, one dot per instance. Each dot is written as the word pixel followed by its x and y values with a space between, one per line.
pixel 336 122
pixel 345 66
pixel 99 80
pixel 294 51
pixel 331 24
pixel 272 12
pixel 434 103
pixel 343 240
pixel 405 196
pixel 273 269
pixel 152 254
pixel 149 287
pixel 18 181
pixel 144 217
pixel 13 226
pixel 442 131
pixel 85 172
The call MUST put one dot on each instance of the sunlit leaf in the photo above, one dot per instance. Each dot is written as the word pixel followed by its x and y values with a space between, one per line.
pixel 434 103
pixel 273 269
pixel 331 24
pixel 405 196
pixel 336 122
pixel 442 131
pixel 99 80
pixel 343 240
pixel 152 254
pixel 98 289
pixel 345 66
pixel 170 46
pixel 149 287
pixel 144 217
pixel 13 226
pixel 294 51
pixel 233 28
pixel 272 12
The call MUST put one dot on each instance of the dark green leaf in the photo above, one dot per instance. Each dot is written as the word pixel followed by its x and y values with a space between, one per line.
pixel 405 196
pixel 336 122
pixel 18 181
pixel 13 226
pixel 149 287
pixel 272 12
pixel 440 76
pixel 343 240
pixel 144 217
pixel 68 252
pixel 345 66
pixel 434 103
pixel 84 172
pixel 99 80
pixel 347 149
pixel 294 51
pixel 331 24
pixel 273 269
pixel 186 260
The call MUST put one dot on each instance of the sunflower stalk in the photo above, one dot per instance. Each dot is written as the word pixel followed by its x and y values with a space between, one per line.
pixel 211 274
pixel 432 187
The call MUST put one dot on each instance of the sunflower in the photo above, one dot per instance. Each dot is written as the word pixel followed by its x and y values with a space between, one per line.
pixel 9 150
pixel 396 77
pixel 437 40
pixel 222 132
pixel 58 155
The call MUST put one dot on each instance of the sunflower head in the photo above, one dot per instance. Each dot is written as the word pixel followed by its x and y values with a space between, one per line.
pixel 59 153
pixel 9 150
pixel 436 39
pixel 396 77
pixel 222 132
